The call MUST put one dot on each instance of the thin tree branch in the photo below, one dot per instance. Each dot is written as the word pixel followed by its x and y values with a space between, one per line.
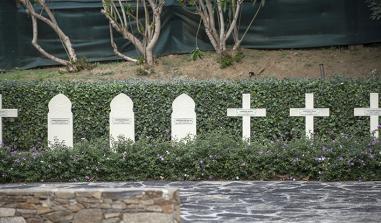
pixel 53 24
pixel 115 47
pixel 126 34
pixel 238 43
pixel 235 18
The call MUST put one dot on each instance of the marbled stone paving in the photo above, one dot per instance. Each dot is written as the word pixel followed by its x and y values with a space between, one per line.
pixel 243 201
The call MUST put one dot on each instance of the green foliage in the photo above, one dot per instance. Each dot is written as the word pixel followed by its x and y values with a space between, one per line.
pixel 228 59
pixel 82 64
pixel 214 156
pixel 140 60
pixel 238 56
pixel 196 54
pixel 153 100
pixel 144 70
pixel 225 60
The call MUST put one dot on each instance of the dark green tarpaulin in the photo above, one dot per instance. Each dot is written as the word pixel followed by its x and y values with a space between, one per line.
pixel 281 24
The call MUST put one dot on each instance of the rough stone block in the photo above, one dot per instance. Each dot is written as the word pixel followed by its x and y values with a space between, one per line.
pixel 89 216
pixel 71 203
pixel 12 220
pixel 150 217
pixel 7 212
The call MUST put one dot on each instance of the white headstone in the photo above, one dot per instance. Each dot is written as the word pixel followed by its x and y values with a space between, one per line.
pixel 309 112
pixel 60 121
pixel 122 122
pixel 373 112
pixel 183 118
pixel 246 113
pixel 5 113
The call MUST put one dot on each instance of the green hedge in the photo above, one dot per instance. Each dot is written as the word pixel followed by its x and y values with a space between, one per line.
pixel 214 156
pixel 152 105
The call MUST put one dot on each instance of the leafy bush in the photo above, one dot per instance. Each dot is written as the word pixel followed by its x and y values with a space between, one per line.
pixel 228 59
pixel 213 156
pixel 153 100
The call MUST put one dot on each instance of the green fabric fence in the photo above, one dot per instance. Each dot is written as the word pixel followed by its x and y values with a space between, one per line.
pixel 281 24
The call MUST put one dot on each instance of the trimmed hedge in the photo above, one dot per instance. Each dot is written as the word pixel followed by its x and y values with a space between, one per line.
pixel 214 156
pixel 153 100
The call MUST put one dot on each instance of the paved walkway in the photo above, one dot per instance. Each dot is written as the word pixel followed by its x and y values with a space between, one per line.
pixel 243 201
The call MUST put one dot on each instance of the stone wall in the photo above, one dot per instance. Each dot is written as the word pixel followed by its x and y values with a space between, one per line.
pixel 93 205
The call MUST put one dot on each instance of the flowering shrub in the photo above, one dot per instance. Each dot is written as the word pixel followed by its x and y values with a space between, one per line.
pixel 212 156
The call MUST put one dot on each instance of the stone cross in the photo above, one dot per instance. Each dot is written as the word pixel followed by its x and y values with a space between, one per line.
pixel 5 113
pixel 183 118
pixel 374 111
pixel 60 121
pixel 246 113
pixel 122 122
pixel 309 112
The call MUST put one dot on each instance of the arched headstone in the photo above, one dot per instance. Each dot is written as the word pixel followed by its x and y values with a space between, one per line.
pixel 183 118
pixel 122 123
pixel 60 121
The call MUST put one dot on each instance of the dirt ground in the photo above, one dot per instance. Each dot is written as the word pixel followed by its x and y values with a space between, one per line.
pixel 353 62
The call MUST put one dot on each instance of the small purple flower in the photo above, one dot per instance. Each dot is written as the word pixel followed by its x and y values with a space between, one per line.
pixel 17 161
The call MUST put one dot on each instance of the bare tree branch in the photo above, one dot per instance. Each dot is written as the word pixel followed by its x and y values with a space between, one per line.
pixel 145 43
pixel 219 34
pixel 115 47
pixel 52 23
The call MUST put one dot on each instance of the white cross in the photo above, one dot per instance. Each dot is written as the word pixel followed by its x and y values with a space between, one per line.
pixel 5 113
pixel 309 112
pixel 373 112
pixel 246 113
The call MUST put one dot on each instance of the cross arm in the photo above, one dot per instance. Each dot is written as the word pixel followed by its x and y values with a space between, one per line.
pixel 241 112
pixel 367 112
pixel 8 113
pixel 309 112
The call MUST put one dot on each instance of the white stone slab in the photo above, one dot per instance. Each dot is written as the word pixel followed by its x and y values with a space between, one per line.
pixel 60 121
pixel 309 112
pixel 183 118
pixel 5 113
pixel 373 112
pixel 122 119
pixel 246 113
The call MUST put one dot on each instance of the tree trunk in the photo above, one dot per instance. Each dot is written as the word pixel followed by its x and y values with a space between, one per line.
pixel 149 57
pixel 236 39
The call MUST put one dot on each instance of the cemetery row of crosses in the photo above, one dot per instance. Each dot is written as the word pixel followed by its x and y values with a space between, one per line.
pixel 183 120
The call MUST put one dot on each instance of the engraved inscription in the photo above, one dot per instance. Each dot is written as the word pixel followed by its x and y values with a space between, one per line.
pixel 373 112
pixel 309 112
pixel 245 112
pixel 121 121
pixel 59 121
pixel 183 121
